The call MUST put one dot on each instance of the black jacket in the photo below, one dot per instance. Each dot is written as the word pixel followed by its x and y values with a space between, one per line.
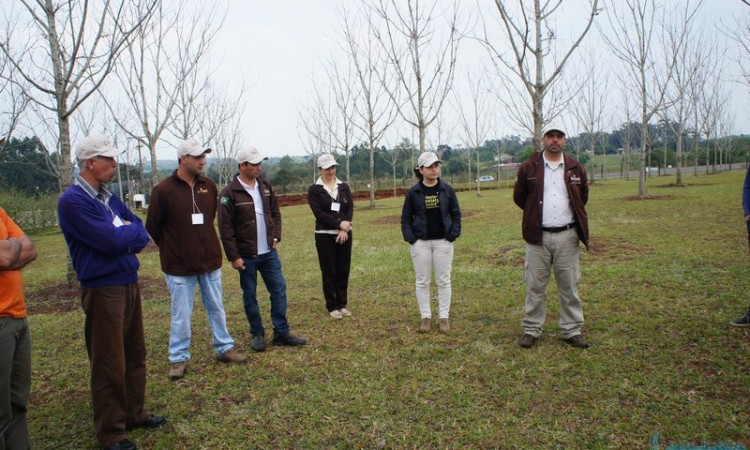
pixel 320 204
pixel 414 213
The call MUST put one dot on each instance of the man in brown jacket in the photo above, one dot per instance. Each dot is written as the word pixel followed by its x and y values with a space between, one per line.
pixel 250 228
pixel 552 189
pixel 180 220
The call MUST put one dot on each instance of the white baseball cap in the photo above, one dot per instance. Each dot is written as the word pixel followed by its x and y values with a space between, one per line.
pixel 251 155
pixel 554 126
pixel 326 160
pixel 191 147
pixel 95 145
pixel 427 159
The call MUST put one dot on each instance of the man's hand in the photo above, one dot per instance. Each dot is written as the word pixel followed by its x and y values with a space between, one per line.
pixel 238 264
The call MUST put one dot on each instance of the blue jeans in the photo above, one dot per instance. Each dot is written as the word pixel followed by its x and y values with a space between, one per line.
pixel 269 266
pixel 182 289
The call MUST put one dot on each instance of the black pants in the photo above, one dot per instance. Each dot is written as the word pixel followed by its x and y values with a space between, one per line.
pixel 335 260
pixel 117 352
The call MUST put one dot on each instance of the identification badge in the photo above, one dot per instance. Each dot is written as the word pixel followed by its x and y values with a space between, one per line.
pixel 335 206
pixel 117 222
pixel 197 219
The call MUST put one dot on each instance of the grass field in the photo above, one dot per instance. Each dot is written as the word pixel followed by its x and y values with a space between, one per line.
pixel 662 280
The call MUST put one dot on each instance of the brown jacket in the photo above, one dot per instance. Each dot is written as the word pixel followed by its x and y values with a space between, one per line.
pixel 184 248
pixel 529 190
pixel 237 226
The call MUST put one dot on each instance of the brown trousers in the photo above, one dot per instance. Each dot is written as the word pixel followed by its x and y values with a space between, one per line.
pixel 117 353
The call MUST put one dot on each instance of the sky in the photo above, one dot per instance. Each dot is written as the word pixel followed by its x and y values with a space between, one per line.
pixel 282 43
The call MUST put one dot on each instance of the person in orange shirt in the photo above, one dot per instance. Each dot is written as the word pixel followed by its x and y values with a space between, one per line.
pixel 16 251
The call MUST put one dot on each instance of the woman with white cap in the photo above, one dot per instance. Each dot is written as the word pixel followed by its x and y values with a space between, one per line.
pixel 331 202
pixel 430 222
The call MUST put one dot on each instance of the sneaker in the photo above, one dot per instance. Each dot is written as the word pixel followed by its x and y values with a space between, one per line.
pixel 577 341
pixel 288 339
pixel 258 343
pixel 425 325
pixel 177 370
pixel 231 356
pixel 336 314
pixel 345 312
pixel 527 341
pixel 743 321
pixel 445 325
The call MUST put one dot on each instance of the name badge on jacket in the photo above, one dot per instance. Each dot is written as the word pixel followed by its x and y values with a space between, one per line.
pixel 197 219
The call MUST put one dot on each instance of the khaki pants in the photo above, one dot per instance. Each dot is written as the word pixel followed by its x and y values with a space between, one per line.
pixel 559 254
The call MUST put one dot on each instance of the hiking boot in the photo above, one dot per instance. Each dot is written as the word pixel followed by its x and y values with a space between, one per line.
pixel 336 314
pixel 231 356
pixel 425 325
pixel 258 343
pixel 527 341
pixel 345 312
pixel 577 341
pixel 177 370
pixel 445 325
pixel 288 339
pixel 743 321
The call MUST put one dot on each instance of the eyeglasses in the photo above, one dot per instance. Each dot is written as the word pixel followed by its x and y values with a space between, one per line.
pixel 203 156
pixel 247 163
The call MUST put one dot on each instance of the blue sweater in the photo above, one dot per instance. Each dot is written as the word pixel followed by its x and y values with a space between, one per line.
pixel 103 254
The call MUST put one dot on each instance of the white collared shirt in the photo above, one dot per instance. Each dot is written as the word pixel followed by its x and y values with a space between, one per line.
pixel 260 222
pixel 556 210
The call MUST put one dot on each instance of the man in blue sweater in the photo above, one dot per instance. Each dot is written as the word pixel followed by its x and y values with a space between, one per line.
pixel 103 237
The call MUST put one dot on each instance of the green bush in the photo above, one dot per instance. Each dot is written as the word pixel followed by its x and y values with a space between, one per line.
pixel 30 213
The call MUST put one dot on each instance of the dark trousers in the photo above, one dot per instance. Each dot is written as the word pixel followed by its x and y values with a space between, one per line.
pixel 15 382
pixel 335 260
pixel 117 353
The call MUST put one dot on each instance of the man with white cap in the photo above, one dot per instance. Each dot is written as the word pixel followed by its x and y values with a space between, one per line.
pixel 552 189
pixel 103 237
pixel 180 219
pixel 250 228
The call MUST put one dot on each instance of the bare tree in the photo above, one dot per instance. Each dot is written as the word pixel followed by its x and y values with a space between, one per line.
pixel 374 109
pixel 689 53
pixel 392 157
pixel 227 137
pixel 160 57
pixel 589 105
pixel 334 106
pixel 311 129
pixel 630 36
pixel 72 49
pixel 532 35
pixel 424 66
pixel 475 118
pixel 12 100
pixel 705 79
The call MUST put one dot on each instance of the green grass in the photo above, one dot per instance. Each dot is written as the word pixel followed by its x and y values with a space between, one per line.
pixel 663 279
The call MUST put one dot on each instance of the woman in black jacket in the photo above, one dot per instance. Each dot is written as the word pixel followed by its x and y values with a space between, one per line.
pixel 430 222
pixel 331 203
